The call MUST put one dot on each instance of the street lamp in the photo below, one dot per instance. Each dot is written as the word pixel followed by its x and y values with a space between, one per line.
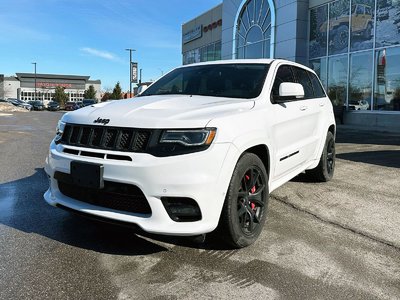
pixel 130 70
pixel 35 78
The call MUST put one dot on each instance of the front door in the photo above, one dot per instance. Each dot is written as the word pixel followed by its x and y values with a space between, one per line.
pixel 295 125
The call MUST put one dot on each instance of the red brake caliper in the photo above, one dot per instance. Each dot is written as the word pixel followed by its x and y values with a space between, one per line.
pixel 252 191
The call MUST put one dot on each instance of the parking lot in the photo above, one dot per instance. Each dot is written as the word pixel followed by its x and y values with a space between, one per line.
pixel 336 240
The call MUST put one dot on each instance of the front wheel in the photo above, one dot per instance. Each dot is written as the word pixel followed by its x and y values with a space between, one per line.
pixel 326 167
pixel 245 207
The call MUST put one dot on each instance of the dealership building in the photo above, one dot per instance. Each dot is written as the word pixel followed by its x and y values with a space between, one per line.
pixel 22 86
pixel 353 45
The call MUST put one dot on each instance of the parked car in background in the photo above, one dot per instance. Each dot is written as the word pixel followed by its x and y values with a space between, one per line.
pixel 80 104
pixel 53 106
pixel 71 106
pixel 87 102
pixel 36 105
pixel 20 103
pixel 359 105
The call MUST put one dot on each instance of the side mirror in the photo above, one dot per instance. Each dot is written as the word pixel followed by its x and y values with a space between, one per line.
pixel 291 90
pixel 142 88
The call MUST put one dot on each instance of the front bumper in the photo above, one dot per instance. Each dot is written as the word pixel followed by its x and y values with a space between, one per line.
pixel 203 176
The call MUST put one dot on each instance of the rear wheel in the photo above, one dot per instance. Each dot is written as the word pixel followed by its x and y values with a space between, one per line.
pixel 326 167
pixel 245 207
pixel 341 38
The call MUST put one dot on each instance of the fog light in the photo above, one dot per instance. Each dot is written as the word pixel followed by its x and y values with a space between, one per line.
pixel 182 209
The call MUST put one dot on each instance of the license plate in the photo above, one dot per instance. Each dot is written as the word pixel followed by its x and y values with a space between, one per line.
pixel 87 175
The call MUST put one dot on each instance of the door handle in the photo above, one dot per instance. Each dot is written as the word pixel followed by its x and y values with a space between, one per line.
pixel 303 107
pixel 321 104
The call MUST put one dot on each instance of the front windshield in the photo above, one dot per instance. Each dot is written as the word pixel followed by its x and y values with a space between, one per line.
pixel 219 80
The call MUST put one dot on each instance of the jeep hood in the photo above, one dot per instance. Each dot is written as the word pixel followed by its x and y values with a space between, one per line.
pixel 166 111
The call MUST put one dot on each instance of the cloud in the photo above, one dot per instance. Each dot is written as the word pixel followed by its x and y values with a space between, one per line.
pixel 100 53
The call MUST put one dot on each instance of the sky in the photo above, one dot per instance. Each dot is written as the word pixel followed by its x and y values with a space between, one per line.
pixel 89 37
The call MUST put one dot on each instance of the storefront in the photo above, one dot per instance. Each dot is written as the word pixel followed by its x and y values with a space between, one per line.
pixel 354 46
pixel 201 37
pixel 22 86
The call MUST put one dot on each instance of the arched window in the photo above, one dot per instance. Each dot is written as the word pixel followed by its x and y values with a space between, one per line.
pixel 254 36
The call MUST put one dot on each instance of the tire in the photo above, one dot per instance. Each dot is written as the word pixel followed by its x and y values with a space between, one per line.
pixel 326 167
pixel 341 38
pixel 245 208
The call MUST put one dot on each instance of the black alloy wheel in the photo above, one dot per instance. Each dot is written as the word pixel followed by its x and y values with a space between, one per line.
pixel 250 204
pixel 245 207
pixel 326 167
pixel 330 156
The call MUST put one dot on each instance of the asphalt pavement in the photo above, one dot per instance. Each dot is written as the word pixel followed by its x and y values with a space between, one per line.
pixel 336 240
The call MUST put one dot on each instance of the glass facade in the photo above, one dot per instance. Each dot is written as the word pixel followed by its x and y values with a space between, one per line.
pixel 354 46
pixel 253 30
pixel 207 53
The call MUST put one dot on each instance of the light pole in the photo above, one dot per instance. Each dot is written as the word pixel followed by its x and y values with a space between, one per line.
pixel 35 78
pixel 130 70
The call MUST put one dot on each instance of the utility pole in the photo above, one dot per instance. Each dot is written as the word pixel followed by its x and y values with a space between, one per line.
pixel 140 78
pixel 130 70
pixel 35 79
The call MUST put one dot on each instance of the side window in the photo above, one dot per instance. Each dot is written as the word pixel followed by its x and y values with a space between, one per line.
pixel 317 87
pixel 304 80
pixel 284 74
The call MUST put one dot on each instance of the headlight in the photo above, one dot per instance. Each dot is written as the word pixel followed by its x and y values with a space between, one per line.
pixel 59 130
pixel 192 137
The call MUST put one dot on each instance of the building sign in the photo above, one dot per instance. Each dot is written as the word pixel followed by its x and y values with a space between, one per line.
pixel 193 34
pixel 134 77
pixel 212 25
pixel 53 85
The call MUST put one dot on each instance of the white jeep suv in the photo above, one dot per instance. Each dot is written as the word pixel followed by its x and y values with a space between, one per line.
pixel 200 149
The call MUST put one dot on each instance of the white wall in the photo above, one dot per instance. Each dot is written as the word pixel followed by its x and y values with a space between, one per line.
pixel 10 88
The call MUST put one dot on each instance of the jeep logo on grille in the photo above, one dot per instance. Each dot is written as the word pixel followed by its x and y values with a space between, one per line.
pixel 102 121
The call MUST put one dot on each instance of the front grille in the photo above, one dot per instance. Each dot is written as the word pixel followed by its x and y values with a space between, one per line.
pixel 107 138
pixel 114 195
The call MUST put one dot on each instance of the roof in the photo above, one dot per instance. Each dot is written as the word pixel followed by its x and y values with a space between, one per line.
pixel 249 61
pixel 10 78
pixel 98 81
pixel 233 61
pixel 52 76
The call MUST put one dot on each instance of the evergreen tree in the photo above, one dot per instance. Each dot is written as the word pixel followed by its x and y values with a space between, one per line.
pixel 60 96
pixel 90 93
pixel 117 92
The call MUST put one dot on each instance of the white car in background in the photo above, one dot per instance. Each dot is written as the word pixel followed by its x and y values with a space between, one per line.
pixel 200 149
